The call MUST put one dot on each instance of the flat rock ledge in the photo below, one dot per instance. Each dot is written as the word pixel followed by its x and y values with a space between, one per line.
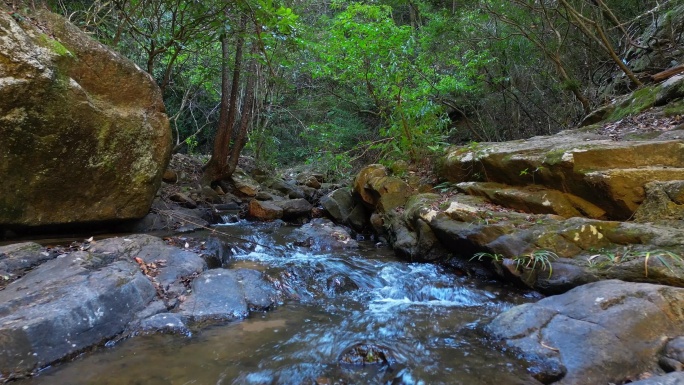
pixel 600 333
pixel 108 289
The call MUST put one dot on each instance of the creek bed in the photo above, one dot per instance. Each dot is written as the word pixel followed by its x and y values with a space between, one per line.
pixel 422 320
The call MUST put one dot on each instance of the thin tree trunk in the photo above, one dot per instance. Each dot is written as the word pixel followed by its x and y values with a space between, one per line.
pixel 214 170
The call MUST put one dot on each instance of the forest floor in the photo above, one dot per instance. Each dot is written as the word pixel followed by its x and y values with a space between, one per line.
pixel 646 125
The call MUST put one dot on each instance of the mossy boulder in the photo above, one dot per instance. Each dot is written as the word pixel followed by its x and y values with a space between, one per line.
pixel 85 137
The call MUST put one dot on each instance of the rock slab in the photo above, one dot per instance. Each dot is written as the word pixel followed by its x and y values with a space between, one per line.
pixel 603 332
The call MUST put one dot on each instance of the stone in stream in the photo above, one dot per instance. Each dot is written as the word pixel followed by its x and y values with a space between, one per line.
pixel 65 306
pixel 366 354
pixel 168 323
pixel 322 234
pixel 294 209
pixel 603 332
pixel 264 210
pixel 221 295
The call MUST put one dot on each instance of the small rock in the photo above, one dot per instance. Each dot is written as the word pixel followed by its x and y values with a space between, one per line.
pixel 264 210
pixel 183 200
pixel 169 323
pixel 170 176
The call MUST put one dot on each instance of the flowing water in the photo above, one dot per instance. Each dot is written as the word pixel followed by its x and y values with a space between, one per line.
pixel 424 318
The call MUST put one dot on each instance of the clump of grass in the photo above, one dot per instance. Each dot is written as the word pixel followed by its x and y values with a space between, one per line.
pixel 493 257
pixel 538 259
pixel 609 258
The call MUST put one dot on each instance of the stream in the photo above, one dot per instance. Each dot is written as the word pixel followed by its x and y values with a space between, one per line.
pixel 424 319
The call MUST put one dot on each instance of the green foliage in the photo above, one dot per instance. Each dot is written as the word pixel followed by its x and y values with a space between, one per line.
pixel 538 259
pixel 391 65
pixel 607 259
pixel 191 142
pixel 494 257
pixel 349 82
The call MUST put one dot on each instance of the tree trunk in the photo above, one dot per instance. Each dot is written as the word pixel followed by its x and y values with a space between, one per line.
pixel 214 169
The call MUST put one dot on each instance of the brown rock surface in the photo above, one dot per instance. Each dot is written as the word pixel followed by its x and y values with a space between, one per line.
pixel 85 137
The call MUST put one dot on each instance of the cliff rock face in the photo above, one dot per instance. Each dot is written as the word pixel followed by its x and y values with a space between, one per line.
pixel 85 137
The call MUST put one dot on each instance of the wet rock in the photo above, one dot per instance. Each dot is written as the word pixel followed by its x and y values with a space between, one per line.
pixel 594 333
pixel 64 93
pixel 83 298
pixel 668 379
pixel 181 220
pixel 173 265
pixel 167 323
pixel 264 210
pixel 220 295
pixel 326 236
pixel 216 252
pixel 339 284
pixel 65 306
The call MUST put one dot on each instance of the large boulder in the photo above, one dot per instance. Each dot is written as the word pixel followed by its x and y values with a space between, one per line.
pixel 85 137
pixel 590 171
pixel 599 333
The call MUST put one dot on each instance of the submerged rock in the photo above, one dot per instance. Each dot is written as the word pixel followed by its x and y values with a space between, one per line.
pixel 676 378
pixel 366 354
pixel 599 333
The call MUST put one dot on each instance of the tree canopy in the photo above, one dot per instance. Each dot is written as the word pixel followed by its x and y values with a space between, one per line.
pixel 341 83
